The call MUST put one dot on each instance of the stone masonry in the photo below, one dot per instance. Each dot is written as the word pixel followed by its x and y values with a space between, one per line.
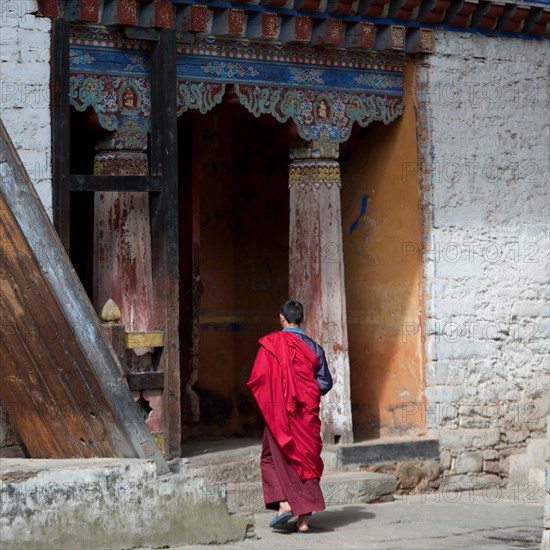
pixel 484 164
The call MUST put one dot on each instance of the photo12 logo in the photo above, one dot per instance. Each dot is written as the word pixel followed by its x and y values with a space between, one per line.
pixel 490 252
pixel 471 331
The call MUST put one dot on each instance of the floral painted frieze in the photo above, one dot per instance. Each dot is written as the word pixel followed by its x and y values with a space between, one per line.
pixel 323 91
pixel 121 103
pixel 199 96
pixel 319 116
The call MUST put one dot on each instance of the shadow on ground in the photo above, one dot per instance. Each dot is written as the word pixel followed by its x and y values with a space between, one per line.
pixel 330 520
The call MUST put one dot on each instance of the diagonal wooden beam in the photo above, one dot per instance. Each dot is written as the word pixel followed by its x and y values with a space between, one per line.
pixel 74 370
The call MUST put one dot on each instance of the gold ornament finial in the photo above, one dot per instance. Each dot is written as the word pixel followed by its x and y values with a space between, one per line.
pixel 110 312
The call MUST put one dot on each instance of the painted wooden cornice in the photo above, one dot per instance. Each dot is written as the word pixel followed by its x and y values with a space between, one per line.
pixel 394 25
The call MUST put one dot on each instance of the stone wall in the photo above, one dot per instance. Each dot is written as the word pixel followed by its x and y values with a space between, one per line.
pixel 484 163
pixel 111 504
pixel 25 111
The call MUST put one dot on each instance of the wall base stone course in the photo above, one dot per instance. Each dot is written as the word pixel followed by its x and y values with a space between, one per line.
pixel 469 463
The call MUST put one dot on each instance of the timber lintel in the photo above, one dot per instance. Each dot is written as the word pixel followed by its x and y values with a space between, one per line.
pixel 152 184
pixel 145 381
pixel 259 20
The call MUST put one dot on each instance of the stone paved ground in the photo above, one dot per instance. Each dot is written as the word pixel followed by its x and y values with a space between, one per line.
pixel 428 522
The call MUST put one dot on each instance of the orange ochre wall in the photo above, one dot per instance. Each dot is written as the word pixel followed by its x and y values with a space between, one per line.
pixel 383 285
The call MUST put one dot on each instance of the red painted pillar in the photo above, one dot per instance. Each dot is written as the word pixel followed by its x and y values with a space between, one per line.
pixel 317 271
pixel 122 240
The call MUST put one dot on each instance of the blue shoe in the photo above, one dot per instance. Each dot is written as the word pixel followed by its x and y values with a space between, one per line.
pixel 280 520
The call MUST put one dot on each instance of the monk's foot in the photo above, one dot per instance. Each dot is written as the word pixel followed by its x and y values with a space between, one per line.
pixel 282 516
pixel 284 506
pixel 302 523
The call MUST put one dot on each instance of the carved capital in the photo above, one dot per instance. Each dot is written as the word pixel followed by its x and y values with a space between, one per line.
pixel 121 163
pixel 123 140
pixel 304 150
pixel 315 173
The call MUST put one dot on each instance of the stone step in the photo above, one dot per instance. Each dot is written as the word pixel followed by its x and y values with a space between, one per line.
pixel 233 465
pixel 379 451
pixel 338 488
pixel 238 460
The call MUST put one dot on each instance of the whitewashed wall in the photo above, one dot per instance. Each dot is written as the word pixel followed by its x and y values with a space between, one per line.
pixel 483 113
pixel 25 89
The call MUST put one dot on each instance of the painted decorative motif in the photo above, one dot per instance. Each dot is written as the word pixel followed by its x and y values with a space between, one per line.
pixel 291 66
pixel 398 37
pixel 319 116
pixel 229 70
pixel 117 163
pixel 314 150
pixel 314 172
pixel 79 57
pixel 121 103
pixel 427 40
pixel 380 81
pixel 200 96
pixel 323 91
pixel 307 77
pixel 110 37
pixel 110 73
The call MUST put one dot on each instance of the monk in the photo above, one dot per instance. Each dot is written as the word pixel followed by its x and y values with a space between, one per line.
pixel 289 376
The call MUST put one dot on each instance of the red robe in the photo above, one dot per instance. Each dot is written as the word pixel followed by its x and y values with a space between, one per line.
pixel 283 383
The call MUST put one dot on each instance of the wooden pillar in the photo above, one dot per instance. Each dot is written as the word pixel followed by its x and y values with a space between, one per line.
pixel 316 271
pixel 122 241
pixel 61 133
pixel 164 229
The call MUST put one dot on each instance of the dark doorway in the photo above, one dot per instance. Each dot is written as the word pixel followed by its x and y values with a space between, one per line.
pixel 233 260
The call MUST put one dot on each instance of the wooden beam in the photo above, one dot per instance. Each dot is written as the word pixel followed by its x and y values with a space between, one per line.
pixel 404 10
pixel 420 41
pixel 151 339
pixel 145 381
pixel 151 184
pixel 343 7
pixel 297 29
pixel 391 38
pixel 82 10
pixel 47 8
pixel 460 13
pixel 164 229
pixel 76 369
pixel 116 334
pixel 433 11
pixel 263 26
pixel 309 5
pixel 61 131
pixel 374 8
pixel 119 12
pixel 230 22
pixel 194 19
pixel 330 32
pixel 361 35
pixel 141 33
pixel 156 13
